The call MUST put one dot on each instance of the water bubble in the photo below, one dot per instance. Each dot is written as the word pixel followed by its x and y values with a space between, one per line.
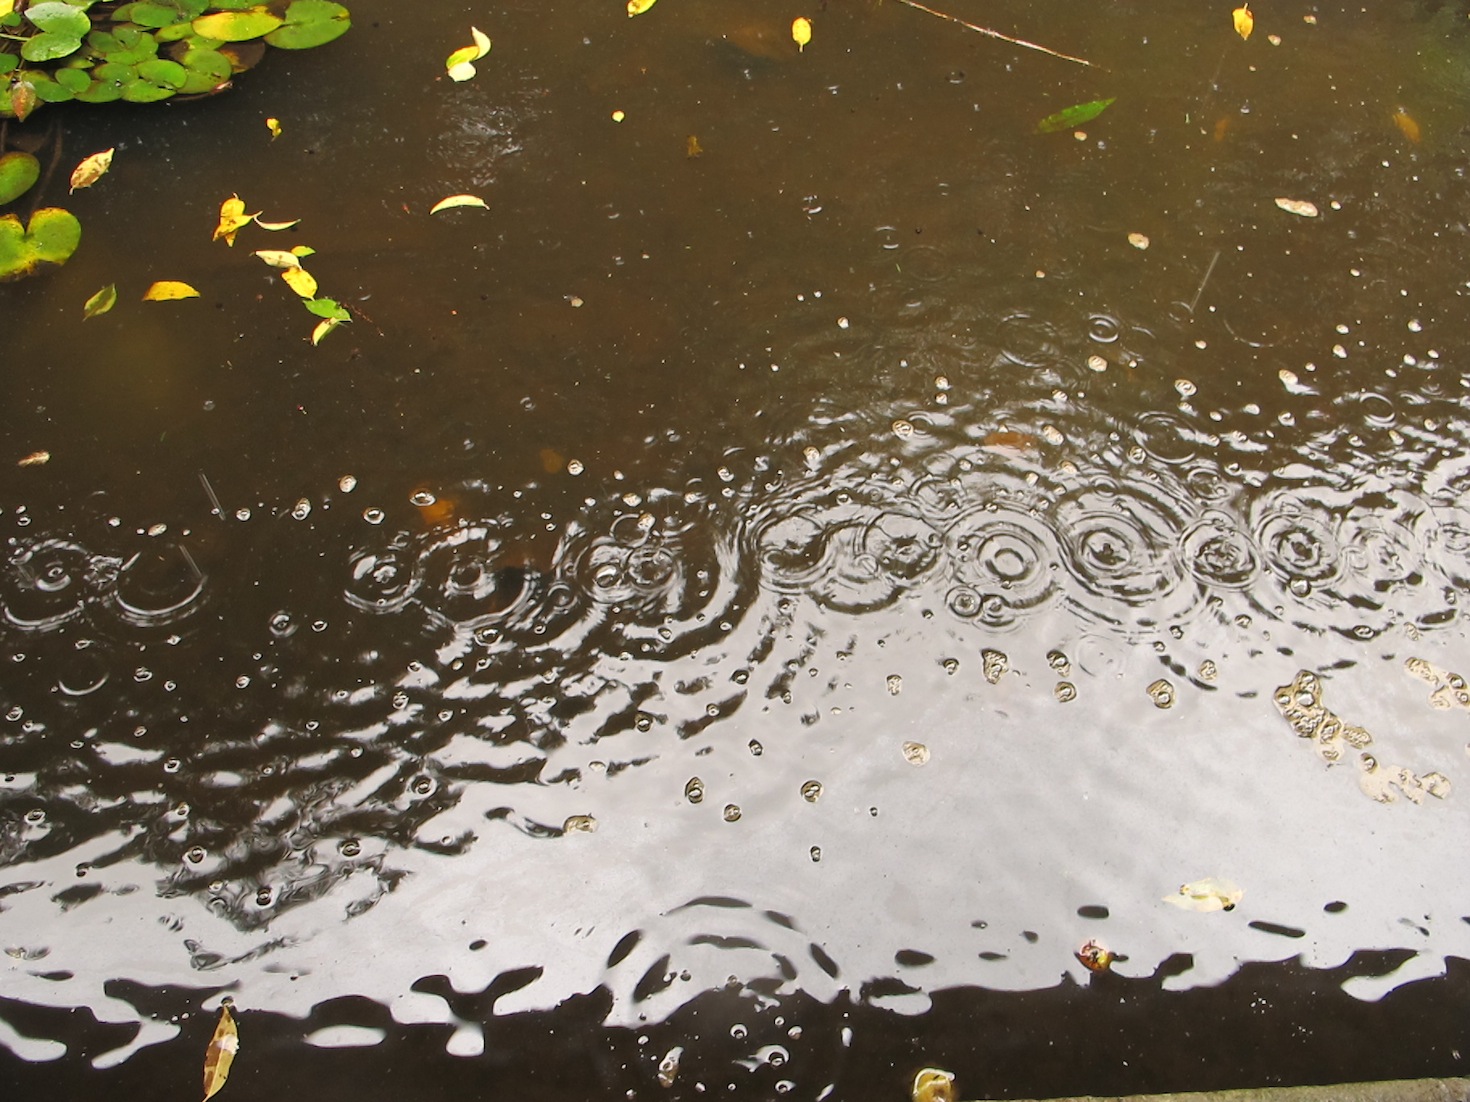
pixel 422 498
pixel 301 510
pixel 816 854
pixel 194 855
pixel 1059 662
pixel 1161 692
pixel 349 847
pixel 668 1067
pixel 1097 363
pixel 916 753
pixel 172 765
pixel 732 813
pixel 739 1032
pixel 1065 692
pixel 35 817
pixel 263 897
pixel 347 483
pixel 422 786
pixel 242 514
pixel 694 790
pixel 575 467
pixel 895 684
pixel 811 791
pixel 951 666
pixel 903 429
pixel 756 749
pixel 242 682
pixel 579 824
pixel 373 515
pixel 1185 388
pixel 994 665
pixel 1208 671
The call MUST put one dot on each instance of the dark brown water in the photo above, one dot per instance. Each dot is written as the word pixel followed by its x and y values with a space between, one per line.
pixel 720 603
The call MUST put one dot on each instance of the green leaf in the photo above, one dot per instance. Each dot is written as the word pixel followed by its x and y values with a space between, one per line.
pixel 168 73
pixel 327 308
pixel 1074 116
pixel 74 80
pixel 48 46
pixel 310 23
pixel 8 62
pixel 59 18
pixel 103 301
pixel 227 26
pixel 48 90
pixel 51 237
pixel 126 44
pixel 18 174
pixel 145 91
pixel 205 70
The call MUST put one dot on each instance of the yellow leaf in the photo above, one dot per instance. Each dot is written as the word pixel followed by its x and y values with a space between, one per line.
pixel 460 64
pixel 1406 124
pixel 322 329
pixel 300 281
pixel 1245 22
pixel 638 7
pixel 221 1053
pixel 6 7
pixel 103 301
pixel 1298 206
pixel 274 126
pixel 458 201
pixel 277 258
pixel 167 290
pixel 232 219
pixel 801 31
pixel 1208 894
pixel 91 169
pixel 276 225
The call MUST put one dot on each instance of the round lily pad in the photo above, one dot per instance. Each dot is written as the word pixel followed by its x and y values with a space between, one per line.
pixel 205 70
pixel 51 237
pixel 310 23
pixel 49 45
pixel 74 80
pixel 158 71
pixel 237 26
pixel 18 174
pixel 59 18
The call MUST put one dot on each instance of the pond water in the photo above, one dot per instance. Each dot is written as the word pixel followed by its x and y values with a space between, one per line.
pixel 740 613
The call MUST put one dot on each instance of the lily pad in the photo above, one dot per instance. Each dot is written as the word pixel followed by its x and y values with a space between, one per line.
pixel 18 174
pixel 205 70
pixel 310 23
pixel 50 238
pixel 237 26
pixel 49 45
pixel 59 18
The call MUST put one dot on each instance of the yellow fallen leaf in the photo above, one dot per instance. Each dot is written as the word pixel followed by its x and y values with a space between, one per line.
pixel 302 250
pixel 1406 124
pixel 232 219
pixel 801 31
pixel 458 201
pixel 276 225
pixel 91 169
pixel 1208 894
pixel 168 290
pixel 103 301
pixel 460 64
pixel 278 258
pixel 221 1053
pixel 322 329
pixel 1245 22
pixel 618 116
pixel 274 126
pixel 1298 206
pixel 35 459
pixel 638 7
pixel 300 280
pixel 692 148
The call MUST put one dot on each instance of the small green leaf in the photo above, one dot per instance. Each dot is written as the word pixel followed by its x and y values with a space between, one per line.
pixel 8 62
pixel 18 174
pixel 1074 116
pixel 103 301
pixel 327 308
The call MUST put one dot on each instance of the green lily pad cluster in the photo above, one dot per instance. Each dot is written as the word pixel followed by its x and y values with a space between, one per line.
pixel 48 239
pixel 148 50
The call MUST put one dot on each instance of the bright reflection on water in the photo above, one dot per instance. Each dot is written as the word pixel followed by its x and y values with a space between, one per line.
pixel 840 561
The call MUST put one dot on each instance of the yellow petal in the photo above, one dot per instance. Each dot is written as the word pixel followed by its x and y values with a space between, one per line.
pixel 638 7
pixel 274 126
pixel 276 225
pixel 91 169
pixel 1245 22
pixel 458 201
pixel 103 301
pixel 221 1053
pixel 300 281
pixel 322 329
pixel 167 290
pixel 232 219
pixel 801 31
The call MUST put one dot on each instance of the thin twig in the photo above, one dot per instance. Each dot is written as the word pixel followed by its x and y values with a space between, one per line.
pixel 996 34
pixel 1201 288
pixel 219 510
pixel 188 558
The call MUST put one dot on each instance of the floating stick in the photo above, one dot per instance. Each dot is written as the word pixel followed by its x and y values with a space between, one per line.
pixel 219 510
pixel 1201 288
pixel 996 34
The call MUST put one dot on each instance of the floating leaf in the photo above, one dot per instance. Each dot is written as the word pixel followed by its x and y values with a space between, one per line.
pixel 274 126
pixel 1138 240
pixel 1208 894
pixel 1076 115
pixel 35 459
pixel 327 308
pixel 103 301
pixel 60 18
pixel 638 7
pixel 277 225
pixel 323 328
pixel 221 1053
pixel 18 174
pixel 278 258
pixel 23 99
pixel 232 219
pixel 92 169
pixel 1245 22
pixel 801 31
pixel 300 280
pixel 302 250
pixel 310 23
pixel 169 290
pixel 1095 956
pixel 933 1085
pixel 1298 206
pixel 237 26
pixel 460 64
pixel 50 237
pixel 458 201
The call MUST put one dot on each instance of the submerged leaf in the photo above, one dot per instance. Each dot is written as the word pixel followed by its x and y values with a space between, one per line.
pixel 18 174
pixel 458 201
pixel 801 31
pixel 35 459
pixel 92 169
pixel 1406 124
pixel 103 301
pixel 169 290
pixel 50 237
pixel 221 1053
pixel 1075 115
pixel 1245 22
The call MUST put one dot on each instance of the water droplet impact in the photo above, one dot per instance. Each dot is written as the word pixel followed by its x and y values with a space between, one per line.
pixel 422 498
pixel 951 666
pixel 263 897
pixel 1059 662
pixel 194 855
pixel 811 791
pixel 1161 692
pixel 574 467
pixel 349 847
pixel 732 813
pixel 756 749
pixel 994 664
pixel 579 824
pixel 1208 671
pixel 347 483
pixel 916 753
pixel 1065 692
pixel 694 790
pixel 816 854
pixel 35 817
pixel 668 1067
pixel 373 516
pixel 301 510
pixel 903 429
pixel 895 684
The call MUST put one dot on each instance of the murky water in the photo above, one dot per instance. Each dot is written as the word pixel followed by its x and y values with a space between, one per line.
pixel 838 568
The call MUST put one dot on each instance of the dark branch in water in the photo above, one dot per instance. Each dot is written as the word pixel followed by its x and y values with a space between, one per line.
pixel 996 34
